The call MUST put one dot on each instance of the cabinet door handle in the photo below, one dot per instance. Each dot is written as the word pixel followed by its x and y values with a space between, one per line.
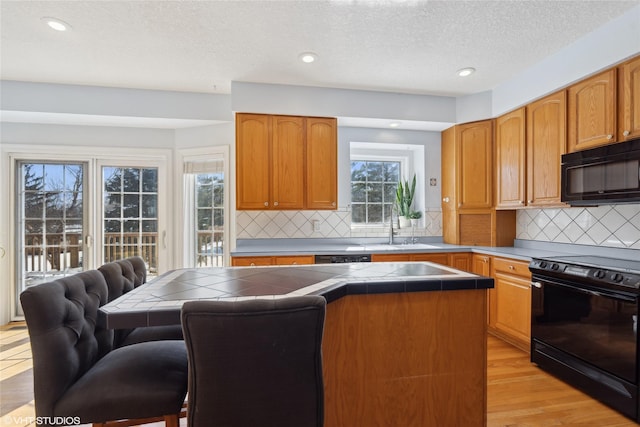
pixel 333 203
pixel 275 203
pixel 609 136
pixel 626 133
pixel 266 203
pixel 253 264
pixel 446 200
pixel 511 267
pixel 536 285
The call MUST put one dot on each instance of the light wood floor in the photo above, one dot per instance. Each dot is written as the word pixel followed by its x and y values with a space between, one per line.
pixel 521 395
pixel 518 393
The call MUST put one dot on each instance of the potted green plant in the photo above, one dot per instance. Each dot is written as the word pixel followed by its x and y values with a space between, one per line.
pixel 414 216
pixel 404 200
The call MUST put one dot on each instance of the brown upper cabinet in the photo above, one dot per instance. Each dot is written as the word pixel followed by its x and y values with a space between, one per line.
pixel 322 163
pixel 592 111
pixel 468 217
pixel 285 162
pixel 629 100
pixel 510 159
pixel 529 144
pixel 467 155
pixel 546 143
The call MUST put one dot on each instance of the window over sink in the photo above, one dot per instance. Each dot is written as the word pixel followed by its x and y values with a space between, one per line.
pixel 373 189
pixel 375 171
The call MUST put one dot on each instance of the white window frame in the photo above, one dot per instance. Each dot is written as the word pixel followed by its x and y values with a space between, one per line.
pixel 92 156
pixel 404 165
pixel 411 157
pixel 163 222
pixel 183 254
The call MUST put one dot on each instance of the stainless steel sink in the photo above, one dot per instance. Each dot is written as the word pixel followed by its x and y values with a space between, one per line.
pixel 398 247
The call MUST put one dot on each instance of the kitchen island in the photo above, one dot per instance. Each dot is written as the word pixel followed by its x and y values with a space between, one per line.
pixel 404 343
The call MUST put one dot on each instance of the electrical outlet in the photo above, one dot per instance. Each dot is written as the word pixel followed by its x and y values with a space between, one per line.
pixel 316 225
pixel 433 182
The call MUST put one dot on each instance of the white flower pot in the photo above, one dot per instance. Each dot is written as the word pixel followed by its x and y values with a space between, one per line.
pixel 404 222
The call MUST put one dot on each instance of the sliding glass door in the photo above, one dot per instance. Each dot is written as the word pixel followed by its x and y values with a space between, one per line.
pixel 130 214
pixel 77 215
pixel 51 221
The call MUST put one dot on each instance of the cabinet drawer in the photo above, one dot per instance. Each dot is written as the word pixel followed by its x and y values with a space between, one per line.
pixel 251 261
pixel 437 258
pixel 294 260
pixel 510 266
pixel 390 257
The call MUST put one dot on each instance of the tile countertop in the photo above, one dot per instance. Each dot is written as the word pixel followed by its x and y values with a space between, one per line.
pixel 522 250
pixel 159 301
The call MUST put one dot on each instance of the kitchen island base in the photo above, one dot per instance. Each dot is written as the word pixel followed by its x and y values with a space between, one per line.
pixel 406 359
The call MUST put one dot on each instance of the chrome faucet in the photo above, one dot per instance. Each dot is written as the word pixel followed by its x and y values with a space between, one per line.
pixel 391 231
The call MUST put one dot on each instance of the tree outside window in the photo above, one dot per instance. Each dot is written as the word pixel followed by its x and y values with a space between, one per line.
pixel 209 188
pixel 373 188
pixel 50 221
pixel 131 214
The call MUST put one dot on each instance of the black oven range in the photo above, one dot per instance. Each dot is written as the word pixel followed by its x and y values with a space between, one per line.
pixel 584 318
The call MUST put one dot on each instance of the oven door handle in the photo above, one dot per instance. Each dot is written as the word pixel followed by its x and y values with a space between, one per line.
pixel 541 281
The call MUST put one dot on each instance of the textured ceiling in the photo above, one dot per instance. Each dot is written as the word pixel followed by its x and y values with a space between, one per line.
pixel 201 46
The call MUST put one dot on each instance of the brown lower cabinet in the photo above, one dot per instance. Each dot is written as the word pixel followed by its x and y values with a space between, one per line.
pixel 481 265
pixel 510 302
pixel 255 261
pixel 459 260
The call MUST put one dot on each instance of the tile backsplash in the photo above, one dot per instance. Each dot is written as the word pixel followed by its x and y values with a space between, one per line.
pixel 616 226
pixel 331 224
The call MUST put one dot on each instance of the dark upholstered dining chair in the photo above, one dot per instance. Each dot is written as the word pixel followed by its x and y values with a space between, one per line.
pixel 255 363
pixel 123 276
pixel 79 377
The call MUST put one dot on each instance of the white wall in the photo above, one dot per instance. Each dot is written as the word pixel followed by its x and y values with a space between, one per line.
pixel 473 107
pixel 202 136
pixel 430 141
pixel 103 101
pixel 86 136
pixel 5 272
pixel 609 44
pixel 315 101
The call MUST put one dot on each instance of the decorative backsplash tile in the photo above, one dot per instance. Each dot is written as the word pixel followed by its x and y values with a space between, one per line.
pixel 611 225
pixel 332 224
pixel 615 226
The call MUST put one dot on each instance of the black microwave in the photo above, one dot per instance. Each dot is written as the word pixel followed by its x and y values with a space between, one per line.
pixel 603 175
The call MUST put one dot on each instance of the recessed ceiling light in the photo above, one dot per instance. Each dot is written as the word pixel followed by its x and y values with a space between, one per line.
pixel 56 24
pixel 464 72
pixel 394 124
pixel 308 57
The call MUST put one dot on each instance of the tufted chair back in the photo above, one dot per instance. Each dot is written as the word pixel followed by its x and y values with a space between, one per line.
pixel 124 275
pixel 65 337
pixel 255 362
